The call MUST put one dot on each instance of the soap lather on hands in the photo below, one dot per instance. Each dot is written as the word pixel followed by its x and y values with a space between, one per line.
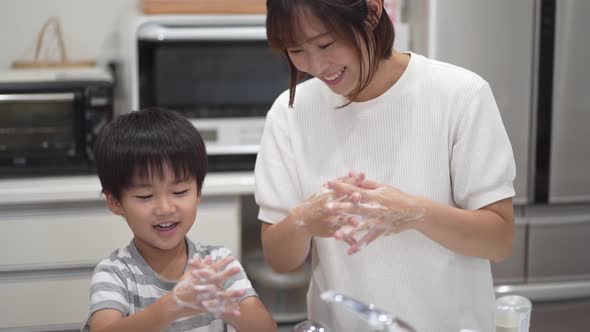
pixel 201 288
pixel 358 211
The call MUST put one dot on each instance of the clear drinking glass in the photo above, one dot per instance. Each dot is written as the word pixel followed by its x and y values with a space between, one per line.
pixel 310 326
pixel 513 314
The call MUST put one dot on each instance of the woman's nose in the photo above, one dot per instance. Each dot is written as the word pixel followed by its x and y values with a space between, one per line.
pixel 311 63
pixel 317 64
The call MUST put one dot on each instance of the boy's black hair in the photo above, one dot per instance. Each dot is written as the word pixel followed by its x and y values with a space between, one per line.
pixel 141 143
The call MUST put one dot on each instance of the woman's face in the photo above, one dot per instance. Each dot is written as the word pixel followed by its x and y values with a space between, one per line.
pixel 321 54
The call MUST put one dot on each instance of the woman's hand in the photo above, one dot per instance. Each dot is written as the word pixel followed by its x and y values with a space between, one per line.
pixel 202 288
pixel 383 209
pixel 316 220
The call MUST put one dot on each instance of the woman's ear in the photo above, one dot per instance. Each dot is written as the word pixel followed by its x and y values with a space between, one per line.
pixel 113 204
pixel 375 10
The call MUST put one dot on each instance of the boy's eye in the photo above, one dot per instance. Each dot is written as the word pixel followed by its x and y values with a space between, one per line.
pixel 143 196
pixel 324 46
pixel 295 51
pixel 182 192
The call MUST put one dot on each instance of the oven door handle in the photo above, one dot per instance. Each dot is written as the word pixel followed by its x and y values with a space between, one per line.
pixel 548 291
pixel 157 32
pixel 37 97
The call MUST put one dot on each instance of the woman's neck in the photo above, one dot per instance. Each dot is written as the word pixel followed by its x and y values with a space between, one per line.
pixel 387 74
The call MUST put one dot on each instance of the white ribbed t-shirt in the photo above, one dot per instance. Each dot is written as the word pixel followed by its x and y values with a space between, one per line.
pixel 436 133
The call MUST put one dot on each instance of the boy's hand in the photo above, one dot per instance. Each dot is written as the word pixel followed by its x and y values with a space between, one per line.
pixel 203 288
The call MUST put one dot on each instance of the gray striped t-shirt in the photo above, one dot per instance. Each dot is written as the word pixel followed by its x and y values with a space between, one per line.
pixel 126 283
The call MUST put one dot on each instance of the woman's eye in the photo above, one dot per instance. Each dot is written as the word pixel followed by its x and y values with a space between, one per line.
pixel 182 192
pixel 323 47
pixel 294 51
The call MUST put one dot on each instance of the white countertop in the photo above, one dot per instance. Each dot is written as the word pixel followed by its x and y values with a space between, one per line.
pixel 87 188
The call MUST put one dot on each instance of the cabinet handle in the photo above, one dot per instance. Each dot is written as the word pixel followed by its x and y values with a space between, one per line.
pixel 37 97
pixel 155 32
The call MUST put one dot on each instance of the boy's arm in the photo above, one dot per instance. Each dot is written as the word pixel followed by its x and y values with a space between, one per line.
pixel 155 317
pixel 253 317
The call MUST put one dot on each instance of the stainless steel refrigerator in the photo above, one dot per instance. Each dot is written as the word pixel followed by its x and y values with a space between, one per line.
pixel 536 56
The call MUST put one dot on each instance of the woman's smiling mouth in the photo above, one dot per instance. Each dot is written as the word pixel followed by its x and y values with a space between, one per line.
pixel 335 78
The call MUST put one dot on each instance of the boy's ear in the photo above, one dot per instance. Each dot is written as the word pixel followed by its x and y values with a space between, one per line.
pixel 113 204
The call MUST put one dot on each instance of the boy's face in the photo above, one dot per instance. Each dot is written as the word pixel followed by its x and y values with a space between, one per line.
pixel 159 211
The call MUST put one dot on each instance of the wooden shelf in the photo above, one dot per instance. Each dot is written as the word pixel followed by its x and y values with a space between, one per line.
pixel 154 7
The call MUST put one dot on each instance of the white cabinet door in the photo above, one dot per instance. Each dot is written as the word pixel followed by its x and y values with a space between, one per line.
pixel 44 301
pixel 47 254
pixel 219 223
pixel 59 236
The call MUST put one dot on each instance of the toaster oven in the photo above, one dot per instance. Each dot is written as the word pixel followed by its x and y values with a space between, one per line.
pixel 49 119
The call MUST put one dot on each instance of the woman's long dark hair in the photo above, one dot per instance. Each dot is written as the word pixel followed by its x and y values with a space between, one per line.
pixel 347 19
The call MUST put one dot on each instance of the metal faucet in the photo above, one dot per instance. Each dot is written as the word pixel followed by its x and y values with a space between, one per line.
pixel 379 320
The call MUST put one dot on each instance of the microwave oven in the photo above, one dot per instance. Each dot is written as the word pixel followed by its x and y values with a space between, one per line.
pixel 49 119
pixel 217 70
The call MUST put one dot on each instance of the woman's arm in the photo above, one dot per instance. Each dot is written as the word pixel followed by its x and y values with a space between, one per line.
pixel 285 244
pixel 486 233
pixel 253 317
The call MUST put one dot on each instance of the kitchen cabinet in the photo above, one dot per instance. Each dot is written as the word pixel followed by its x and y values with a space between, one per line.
pixel 55 230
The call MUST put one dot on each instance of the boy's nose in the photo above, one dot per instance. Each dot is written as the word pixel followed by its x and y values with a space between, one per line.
pixel 164 207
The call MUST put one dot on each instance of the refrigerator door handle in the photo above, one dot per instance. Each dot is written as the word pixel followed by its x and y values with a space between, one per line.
pixel 556 215
pixel 547 291
pixel 560 220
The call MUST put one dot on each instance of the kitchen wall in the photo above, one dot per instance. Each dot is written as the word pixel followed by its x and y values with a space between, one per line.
pixel 89 27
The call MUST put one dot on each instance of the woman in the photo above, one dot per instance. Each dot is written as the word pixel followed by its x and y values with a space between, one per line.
pixel 438 164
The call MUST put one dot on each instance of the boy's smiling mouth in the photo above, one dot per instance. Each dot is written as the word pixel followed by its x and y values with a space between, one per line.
pixel 166 226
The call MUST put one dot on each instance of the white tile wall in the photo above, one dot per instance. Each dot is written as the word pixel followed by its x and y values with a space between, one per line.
pixel 89 26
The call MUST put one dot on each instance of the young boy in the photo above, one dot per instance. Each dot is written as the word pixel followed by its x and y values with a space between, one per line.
pixel 151 165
